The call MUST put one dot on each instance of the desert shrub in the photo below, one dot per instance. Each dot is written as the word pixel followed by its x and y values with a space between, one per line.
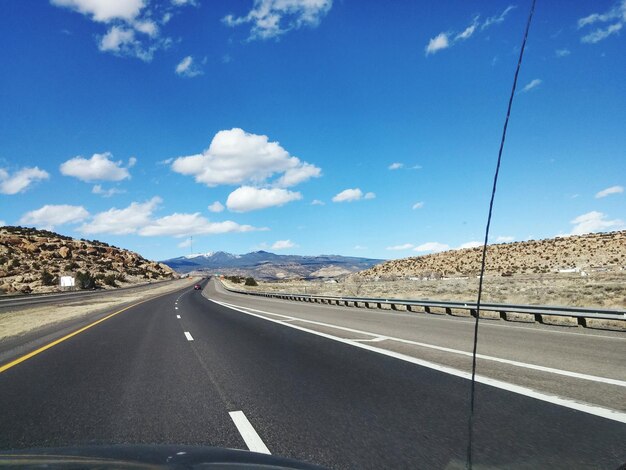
pixel 251 282
pixel 71 266
pixel 48 279
pixel 109 280
pixel 15 263
pixel 85 280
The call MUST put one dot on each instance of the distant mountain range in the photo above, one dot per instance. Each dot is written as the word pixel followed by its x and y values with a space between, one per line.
pixel 265 265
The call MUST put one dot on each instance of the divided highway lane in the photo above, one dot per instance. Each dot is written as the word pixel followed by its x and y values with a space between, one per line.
pixel 138 378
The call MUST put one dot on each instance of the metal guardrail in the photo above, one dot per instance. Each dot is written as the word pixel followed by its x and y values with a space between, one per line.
pixel 501 309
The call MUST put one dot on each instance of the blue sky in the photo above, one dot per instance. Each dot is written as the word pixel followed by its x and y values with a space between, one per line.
pixel 310 126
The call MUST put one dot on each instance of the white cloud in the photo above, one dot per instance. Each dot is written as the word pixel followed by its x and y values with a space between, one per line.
pixel 505 239
pixel 433 247
pixel 616 16
pixel 369 196
pixel 472 244
pixel 248 198
pixel 418 205
pixel 348 195
pixel 236 157
pixel 98 167
pixel 497 19
pixel 98 189
pixel 122 221
pixel 467 32
pixel 271 18
pixel 395 166
pixel 283 245
pixel 187 68
pixel 601 33
pixel 437 43
pixel 595 221
pixel 122 41
pixel 562 52
pixel 532 84
pixel 185 243
pixel 147 27
pixel 132 161
pixel 359 247
pixel 444 40
pixel 217 206
pixel 608 191
pixel 183 225
pixel 406 246
pixel 317 202
pixel 104 11
pixel 48 216
pixel 20 180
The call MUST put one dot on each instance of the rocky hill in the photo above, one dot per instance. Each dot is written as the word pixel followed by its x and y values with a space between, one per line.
pixel 265 265
pixel 582 254
pixel 33 261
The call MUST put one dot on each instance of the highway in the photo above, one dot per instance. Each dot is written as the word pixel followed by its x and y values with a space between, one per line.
pixel 339 387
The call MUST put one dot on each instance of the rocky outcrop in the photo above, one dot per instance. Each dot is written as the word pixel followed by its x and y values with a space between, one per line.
pixel 34 260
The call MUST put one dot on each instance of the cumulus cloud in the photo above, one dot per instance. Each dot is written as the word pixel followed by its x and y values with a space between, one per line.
pixel 272 18
pixel 131 26
pixel 405 246
pixel 432 247
pixel 182 225
pixel 235 156
pixel 48 216
pixel 217 206
pixel 98 167
pixel 395 166
pixel 122 221
pixel 505 239
pixel 418 205
pixel 104 11
pixel 472 244
pixel 445 40
pixel 187 68
pixel 612 22
pixel 248 198
pixel 531 85
pixel 608 191
pixel 317 202
pixel 595 221
pixel 20 180
pixel 354 194
pixel 283 245
pixel 98 189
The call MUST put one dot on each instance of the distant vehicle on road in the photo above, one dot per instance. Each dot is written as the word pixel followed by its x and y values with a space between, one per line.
pixel 197 287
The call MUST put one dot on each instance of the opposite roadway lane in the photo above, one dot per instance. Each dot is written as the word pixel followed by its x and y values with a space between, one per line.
pixel 182 369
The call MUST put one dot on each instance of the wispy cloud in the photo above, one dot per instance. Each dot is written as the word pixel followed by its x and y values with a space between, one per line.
pixel 405 246
pixel 612 22
pixel 395 166
pixel 531 85
pixel 19 181
pixel 350 195
pixel 283 245
pixel 447 39
pixel 505 239
pixel 608 191
pixel 562 52
pixel 417 205
pixel 433 247
pixel 187 68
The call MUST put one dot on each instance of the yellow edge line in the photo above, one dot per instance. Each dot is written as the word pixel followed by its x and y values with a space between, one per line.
pixel 25 357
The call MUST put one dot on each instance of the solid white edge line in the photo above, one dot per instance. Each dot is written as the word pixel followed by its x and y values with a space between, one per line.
pixel 568 403
pixel 188 336
pixel 379 337
pixel 249 435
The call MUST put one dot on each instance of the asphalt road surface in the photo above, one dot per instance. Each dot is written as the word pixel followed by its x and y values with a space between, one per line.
pixel 183 369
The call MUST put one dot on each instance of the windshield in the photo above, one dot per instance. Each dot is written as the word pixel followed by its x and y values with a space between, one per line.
pixel 353 234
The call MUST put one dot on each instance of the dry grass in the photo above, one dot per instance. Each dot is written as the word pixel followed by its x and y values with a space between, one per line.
pixel 607 290
pixel 22 321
